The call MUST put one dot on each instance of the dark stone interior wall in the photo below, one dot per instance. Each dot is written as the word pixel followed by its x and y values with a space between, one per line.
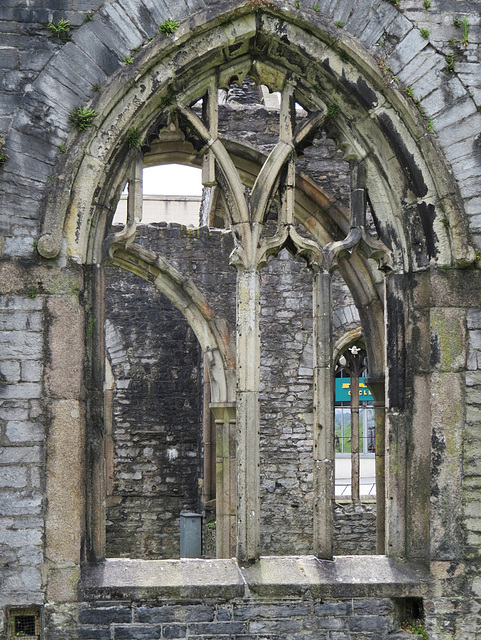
pixel 157 418
pixel 157 421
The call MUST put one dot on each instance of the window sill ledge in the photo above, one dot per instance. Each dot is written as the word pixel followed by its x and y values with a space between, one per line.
pixel 272 576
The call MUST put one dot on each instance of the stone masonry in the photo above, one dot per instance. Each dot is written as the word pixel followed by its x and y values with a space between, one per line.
pixel 391 93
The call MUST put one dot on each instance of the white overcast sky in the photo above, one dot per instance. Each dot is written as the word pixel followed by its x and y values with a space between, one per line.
pixel 172 180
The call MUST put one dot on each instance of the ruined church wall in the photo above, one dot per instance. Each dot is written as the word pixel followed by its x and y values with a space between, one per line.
pixel 157 367
pixel 34 107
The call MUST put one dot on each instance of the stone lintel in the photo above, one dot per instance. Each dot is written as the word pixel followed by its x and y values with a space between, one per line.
pixel 344 577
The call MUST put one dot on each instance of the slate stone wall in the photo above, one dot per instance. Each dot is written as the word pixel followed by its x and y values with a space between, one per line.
pixel 156 363
pixel 157 419
pixel 249 619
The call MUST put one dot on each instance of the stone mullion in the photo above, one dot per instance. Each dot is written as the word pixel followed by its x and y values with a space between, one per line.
pixel 210 113
pixel 135 195
pixel 226 490
pixel 355 493
pixel 248 412
pixel 377 388
pixel 323 477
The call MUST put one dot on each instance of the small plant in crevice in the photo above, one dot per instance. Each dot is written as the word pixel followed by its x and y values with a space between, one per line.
pixel 297 4
pixel 3 155
pixel 446 223
pixel 317 7
pixel 478 108
pixel 394 2
pixel 128 60
pixel 82 117
pixel 169 26
pixel 478 256
pixel 449 68
pixel 339 24
pixel 425 33
pixel 332 111
pixel 343 56
pixel 464 25
pixel 168 100
pixel 416 626
pixel 33 293
pixel 430 124
pixel 409 92
pixel 60 29
pixel 88 17
pixel 427 4
pixel 62 148
pixel 134 138
pixel 97 88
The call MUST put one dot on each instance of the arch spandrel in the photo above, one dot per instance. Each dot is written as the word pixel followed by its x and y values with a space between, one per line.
pixel 373 129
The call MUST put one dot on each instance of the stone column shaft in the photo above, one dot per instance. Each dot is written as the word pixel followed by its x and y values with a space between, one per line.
pixel 248 412
pixel 323 418
pixel 355 493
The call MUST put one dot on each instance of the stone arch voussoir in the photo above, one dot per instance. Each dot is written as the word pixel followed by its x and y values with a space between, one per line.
pixel 412 193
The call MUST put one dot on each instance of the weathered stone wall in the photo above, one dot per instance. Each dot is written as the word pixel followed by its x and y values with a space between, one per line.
pixel 157 419
pixel 158 375
pixel 252 619
pixel 40 84
pixel 22 321
pixel 355 529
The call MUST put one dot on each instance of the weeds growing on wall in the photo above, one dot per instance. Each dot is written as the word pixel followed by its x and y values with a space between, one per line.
pixel 60 29
pixel 169 26
pixel 425 33
pixel 134 138
pixel 332 111
pixel 464 25
pixel 3 155
pixel 417 628
pixel 82 117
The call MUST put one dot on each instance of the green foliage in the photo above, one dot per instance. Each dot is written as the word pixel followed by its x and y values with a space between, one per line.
pixel 429 126
pixel 464 25
pixel 332 111
pixel 33 293
pixel 409 92
pixel 449 68
pixel 82 117
pixel 97 88
pixel 427 4
pixel 60 29
pixel 297 4
pixel 394 2
pixel 339 24
pixel 128 60
pixel 425 33
pixel 343 56
pixel 168 100
pixel 316 7
pixel 62 148
pixel 478 256
pixel 134 138
pixel 3 155
pixel 90 330
pixel 446 223
pixel 169 26
pixel 417 627
pixel 88 17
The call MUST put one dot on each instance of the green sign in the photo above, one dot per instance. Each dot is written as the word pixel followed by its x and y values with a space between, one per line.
pixel 343 390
